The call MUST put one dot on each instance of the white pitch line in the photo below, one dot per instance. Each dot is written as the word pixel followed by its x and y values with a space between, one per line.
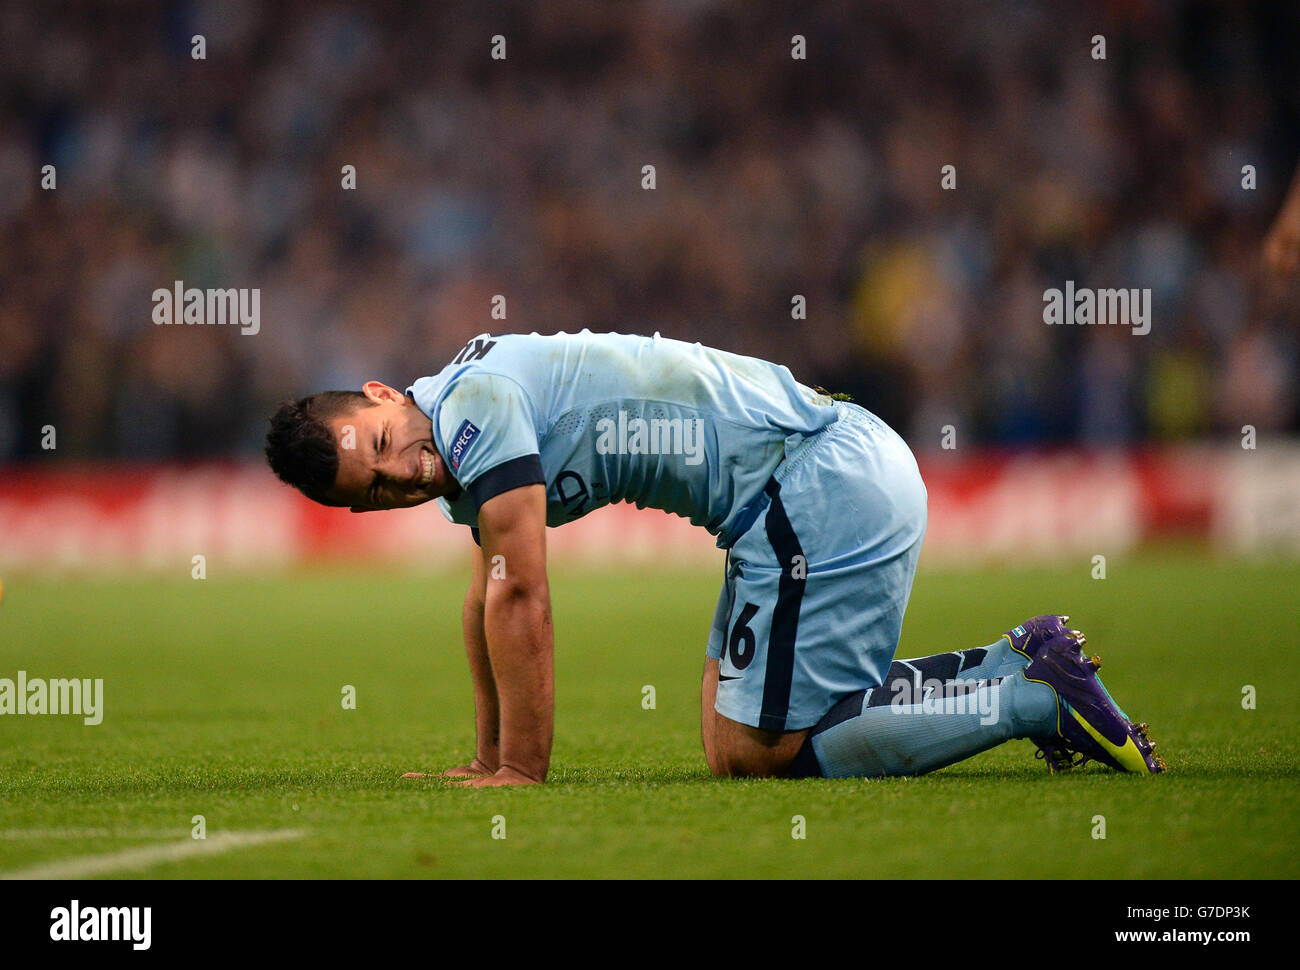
pixel 145 856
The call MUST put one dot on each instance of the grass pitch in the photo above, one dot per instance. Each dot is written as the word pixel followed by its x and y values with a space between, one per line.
pixel 223 699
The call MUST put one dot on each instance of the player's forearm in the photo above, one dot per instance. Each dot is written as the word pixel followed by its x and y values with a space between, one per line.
pixel 487 710
pixel 521 649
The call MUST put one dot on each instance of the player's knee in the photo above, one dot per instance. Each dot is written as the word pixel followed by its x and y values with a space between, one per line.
pixel 740 769
pixel 750 765
pixel 744 752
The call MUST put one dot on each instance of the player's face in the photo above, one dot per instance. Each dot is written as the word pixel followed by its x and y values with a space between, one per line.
pixel 386 455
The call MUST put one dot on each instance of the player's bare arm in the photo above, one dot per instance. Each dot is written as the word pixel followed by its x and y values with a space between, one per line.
pixel 487 709
pixel 518 633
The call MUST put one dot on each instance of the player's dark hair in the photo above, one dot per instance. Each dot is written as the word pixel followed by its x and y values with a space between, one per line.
pixel 300 446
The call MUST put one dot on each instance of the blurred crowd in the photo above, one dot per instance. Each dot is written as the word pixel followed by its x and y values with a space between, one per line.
pixel 775 177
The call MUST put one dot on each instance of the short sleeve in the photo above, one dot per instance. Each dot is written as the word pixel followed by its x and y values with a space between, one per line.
pixel 487 435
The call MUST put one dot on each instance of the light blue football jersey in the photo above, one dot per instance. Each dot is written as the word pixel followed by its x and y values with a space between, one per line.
pixel 605 417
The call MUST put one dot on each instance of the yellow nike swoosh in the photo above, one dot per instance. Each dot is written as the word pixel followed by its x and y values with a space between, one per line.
pixel 1128 754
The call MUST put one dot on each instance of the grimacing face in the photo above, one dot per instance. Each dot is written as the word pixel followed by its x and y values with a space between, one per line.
pixel 386 455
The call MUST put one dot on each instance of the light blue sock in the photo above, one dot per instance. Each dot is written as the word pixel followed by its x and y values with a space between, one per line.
pixel 998 659
pixel 910 732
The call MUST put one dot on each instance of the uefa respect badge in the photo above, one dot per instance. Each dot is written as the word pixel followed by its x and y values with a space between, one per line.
pixel 461 444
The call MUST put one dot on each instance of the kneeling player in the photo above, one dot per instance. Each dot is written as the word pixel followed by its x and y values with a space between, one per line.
pixel 818 503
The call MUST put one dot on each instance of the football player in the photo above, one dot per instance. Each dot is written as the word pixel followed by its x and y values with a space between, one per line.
pixel 817 502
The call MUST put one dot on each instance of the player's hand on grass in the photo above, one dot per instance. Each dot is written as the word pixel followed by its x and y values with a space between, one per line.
pixel 505 775
pixel 475 769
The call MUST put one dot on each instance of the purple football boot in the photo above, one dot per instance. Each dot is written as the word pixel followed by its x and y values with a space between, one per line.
pixel 1029 637
pixel 1089 724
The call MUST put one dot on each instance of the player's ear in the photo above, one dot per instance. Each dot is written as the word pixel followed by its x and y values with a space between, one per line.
pixel 378 392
